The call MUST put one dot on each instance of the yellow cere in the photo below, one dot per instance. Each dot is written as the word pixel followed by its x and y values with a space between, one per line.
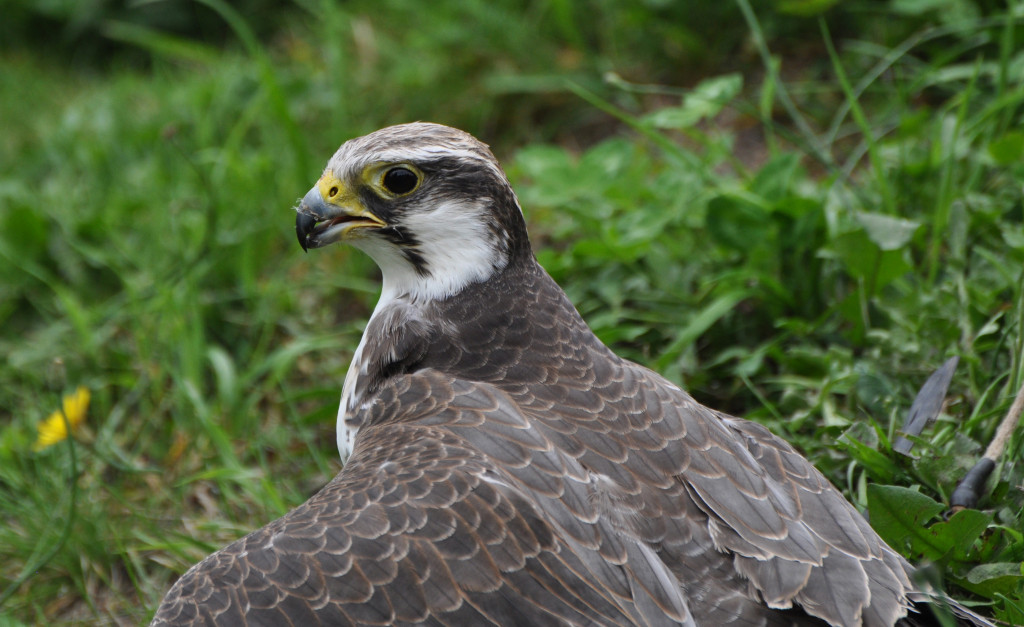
pixel 332 190
pixel 54 429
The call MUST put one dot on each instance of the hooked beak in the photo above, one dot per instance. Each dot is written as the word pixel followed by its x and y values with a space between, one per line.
pixel 331 212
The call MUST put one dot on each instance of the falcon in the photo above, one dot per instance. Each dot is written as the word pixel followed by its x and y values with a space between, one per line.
pixel 504 467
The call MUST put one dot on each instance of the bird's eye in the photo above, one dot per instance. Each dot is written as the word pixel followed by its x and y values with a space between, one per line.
pixel 400 180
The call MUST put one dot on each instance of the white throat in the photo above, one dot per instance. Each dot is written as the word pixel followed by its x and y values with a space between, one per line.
pixel 456 243
pixel 459 249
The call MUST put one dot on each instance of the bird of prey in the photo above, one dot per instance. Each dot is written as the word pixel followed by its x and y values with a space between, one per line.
pixel 506 468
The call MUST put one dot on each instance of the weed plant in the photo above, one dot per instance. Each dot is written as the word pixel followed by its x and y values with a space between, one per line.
pixel 831 207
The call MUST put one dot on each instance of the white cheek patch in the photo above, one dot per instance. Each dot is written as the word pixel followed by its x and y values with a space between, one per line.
pixel 455 243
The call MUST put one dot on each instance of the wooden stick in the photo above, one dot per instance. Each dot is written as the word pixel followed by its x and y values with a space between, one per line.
pixel 1006 427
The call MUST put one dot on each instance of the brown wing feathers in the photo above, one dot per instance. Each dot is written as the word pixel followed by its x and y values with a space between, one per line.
pixel 435 534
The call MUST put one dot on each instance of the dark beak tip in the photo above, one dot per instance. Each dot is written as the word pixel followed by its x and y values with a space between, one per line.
pixel 304 224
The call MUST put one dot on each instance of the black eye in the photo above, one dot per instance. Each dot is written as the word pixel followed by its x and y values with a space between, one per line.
pixel 400 180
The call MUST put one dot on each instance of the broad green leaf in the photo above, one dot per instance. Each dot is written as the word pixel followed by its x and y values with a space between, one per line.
pixel 899 514
pixel 997 578
pixel 705 101
pixel 981 573
pixel 775 180
pixel 1008 149
pixel 960 531
pixel 1013 236
pixel 864 260
pixel 887 232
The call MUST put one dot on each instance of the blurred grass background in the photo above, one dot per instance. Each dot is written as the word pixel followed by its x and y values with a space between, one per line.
pixel 798 209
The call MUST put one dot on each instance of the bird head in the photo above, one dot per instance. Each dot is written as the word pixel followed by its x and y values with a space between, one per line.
pixel 428 203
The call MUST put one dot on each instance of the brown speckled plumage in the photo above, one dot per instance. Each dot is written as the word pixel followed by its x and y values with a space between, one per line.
pixel 511 470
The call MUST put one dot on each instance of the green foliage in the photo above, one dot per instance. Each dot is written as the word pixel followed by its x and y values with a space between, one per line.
pixel 803 251
pixel 900 515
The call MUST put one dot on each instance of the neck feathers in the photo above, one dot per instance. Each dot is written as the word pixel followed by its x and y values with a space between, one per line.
pixel 517 327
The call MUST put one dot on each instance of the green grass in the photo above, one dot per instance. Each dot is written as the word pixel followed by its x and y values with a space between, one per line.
pixel 825 213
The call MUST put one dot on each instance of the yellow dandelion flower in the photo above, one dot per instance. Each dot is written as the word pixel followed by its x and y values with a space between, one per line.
pixel 54 429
